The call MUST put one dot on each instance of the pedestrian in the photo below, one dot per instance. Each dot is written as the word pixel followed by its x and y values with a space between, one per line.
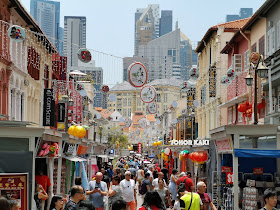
pixel 187 181
pixel 140 175
pixel 189 200
pixel 40 195
pixel 164 170
pixel 155 181
pixel 105 177
pixel 129 191
pixel 85 205
pixel 150 171
pixel 97 190
pixel 119 204
pixel 152 201
pixel 56 203
pixel 270 199
pixel 132 171
pixel 146 184
pixel 205 198
pixel 77 194
pixel 163 193
pixel 4 203
pixel 115 192
pixel 173 186
pixel 110 171
pixel 155 172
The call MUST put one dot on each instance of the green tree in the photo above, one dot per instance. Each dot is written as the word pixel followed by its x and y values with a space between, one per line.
pixel 115 134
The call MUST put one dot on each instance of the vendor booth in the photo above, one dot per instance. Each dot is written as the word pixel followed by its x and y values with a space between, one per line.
pixel 247 163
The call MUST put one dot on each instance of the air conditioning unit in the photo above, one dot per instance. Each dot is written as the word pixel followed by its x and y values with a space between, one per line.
pixel 237 60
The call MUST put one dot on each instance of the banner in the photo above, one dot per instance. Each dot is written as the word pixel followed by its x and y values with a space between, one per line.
pixel 49 104
pixel 258 171
pixel 14 186
pixel 212 81
pixel 61 112
pixel 226 169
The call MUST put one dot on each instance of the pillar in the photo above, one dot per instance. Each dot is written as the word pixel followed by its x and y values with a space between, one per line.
pixel 235 171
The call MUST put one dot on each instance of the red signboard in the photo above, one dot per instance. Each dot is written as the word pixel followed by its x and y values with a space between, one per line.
pixel 82 150
pixel 257 171
pixel 14 186
pixel 139 148
pixel 223 145
pixel 229 178
pixel 226 169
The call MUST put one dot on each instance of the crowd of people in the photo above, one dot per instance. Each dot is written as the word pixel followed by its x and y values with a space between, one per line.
pixel 118 187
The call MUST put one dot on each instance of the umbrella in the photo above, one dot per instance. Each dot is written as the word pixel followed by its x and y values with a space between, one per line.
pixel 151 156
pixel 77 73
pixel 145 161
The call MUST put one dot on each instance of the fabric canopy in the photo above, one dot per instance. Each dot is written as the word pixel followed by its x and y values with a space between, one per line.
pixel 256 153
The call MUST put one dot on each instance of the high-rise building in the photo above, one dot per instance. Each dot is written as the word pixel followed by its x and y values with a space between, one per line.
pixel 164 54
pixel 74 39
pixel 47 15
pixel 243 13
pixel 146 26
pixel 127 61
pixel 60 40
pixel 96 73
pixel 185 56
pixel 165 24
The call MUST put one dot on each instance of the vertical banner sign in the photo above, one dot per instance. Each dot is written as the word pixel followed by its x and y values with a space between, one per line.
pixel 139 148
pixel 49 104
pixel 212 81
pixel 61 112
pixel 190 99
pixel 14 186
pixel 229 178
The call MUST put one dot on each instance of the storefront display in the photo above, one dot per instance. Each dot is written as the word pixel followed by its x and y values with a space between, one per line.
pixel 14 186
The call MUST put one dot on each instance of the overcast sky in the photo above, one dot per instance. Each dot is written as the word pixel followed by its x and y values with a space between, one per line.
pixel 110 23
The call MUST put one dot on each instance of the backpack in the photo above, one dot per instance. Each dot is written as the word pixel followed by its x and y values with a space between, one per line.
pixel 182 185
pixel 143 188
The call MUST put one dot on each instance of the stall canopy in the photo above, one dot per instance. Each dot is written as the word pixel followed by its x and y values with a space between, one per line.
pixel 256 153
pixel 75 159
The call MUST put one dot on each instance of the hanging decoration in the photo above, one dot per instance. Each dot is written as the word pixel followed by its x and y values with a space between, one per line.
pixel 231 73
pixel 152 107
pixel 128 122
pixel 137 132
pixel 16 33
pixel 84 55
pixel 50 149
pixel 148 94
pixel 225 80
pixel 261 105
pixel 198 157
pixel 157 121
pixel 174 104
pixel 77 130
pixel 183 155
pixel 246 109
pixel 194 73
pixel 174 121
pixel 137 74
pixel 254 58
pixel 167 151
pixel 105 88
pixel 143 123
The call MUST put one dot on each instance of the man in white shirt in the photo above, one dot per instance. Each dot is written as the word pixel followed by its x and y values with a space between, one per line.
pixel 155 181
pixel 129 191
pixel 150 171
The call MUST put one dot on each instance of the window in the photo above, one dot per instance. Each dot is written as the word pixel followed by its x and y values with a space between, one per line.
pixel 129 112
pixel 119 110
pixel 261 45
pixel 129 101
pixel 174 52
pixel 246 60
pixel 270 41
pixel 138 101
pixel 33 63
pixel 174 59
pixel 234 114
pixel 278 35
pixel 240 117
pixel 158 97
pixel 124 101
pixel 169 52
pixel 165 97
pixel 124 112
pixel 229 115
pixel 238 63
pixel 254 47
pixel 165 107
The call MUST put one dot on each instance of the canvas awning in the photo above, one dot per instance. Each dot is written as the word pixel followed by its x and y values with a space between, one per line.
pixel 256 153
pixel 75 159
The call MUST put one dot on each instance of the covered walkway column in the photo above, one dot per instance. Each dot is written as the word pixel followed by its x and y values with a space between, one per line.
pixel 235 171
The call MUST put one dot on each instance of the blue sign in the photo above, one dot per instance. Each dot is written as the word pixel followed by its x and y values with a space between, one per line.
pixel 111 151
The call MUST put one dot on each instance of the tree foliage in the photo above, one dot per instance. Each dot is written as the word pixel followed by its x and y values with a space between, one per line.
pixel 115 134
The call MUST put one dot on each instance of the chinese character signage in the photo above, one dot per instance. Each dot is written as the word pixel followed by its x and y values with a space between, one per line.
pixel 14 186
pixel 226 169
pixel 212 81
pixel 139 148
pixel 223 145
pixel 258 171
pixel 82 150
pixel 49 104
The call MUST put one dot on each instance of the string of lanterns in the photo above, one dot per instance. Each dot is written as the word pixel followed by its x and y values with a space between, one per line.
pixel 77 130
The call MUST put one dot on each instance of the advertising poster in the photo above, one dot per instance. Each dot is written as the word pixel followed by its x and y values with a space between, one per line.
pixel 14 186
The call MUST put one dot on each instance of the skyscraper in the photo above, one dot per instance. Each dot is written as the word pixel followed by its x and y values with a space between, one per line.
pixel 243 13
pixel 165 24
pixel 74 39
pixel 185 56
pixel 47 15
pixel 146 26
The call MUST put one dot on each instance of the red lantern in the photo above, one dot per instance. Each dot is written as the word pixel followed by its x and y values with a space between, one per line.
pixel 191 156
pixel 204 156
pixel 241 108
pixel 199 157
pixel 195 156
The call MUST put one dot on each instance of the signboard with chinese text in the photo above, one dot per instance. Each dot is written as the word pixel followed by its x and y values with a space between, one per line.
pixel 212 81
pixel 82 150
pixel 258 171
pixel 139 148
pixel 14 186
pixel 226 169
pixel 223 145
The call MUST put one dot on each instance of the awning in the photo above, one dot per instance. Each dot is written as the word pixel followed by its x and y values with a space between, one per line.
pixel 75 159
pixel 256 153
pixel 235 100
pixel 102 156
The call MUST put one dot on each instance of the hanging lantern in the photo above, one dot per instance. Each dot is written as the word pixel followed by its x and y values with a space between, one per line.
pixel 167 151
pixel 204 156
pixel 154 144
pixel 84 55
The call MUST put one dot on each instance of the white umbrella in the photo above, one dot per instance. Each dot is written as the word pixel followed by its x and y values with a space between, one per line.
pixel 145 161
pixel 77 73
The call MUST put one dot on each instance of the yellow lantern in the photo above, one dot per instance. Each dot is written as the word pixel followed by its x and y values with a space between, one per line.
pixel 83 132
pixel 162 154
pixel 79 131
pixel 117 144
pixel 165 158
pixel 159 143
pixel 74 133
pixel 154 144
pixel 71 130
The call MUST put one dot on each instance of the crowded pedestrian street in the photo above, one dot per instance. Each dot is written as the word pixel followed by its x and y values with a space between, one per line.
pixel 139 105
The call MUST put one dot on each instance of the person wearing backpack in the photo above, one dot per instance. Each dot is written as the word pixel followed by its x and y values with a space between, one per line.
pixel 189 200
pixel 186 181
pixel 145 185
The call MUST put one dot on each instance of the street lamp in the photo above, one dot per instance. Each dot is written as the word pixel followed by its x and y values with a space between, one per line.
pixel 261 71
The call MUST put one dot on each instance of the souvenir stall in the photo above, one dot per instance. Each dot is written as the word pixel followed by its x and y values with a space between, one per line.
pixel 17 160
pixel 250 164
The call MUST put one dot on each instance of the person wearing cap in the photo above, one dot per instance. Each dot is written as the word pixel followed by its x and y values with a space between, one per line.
pixel 189 200
pixel 128 190
pixel 205 198
pixel 187 180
